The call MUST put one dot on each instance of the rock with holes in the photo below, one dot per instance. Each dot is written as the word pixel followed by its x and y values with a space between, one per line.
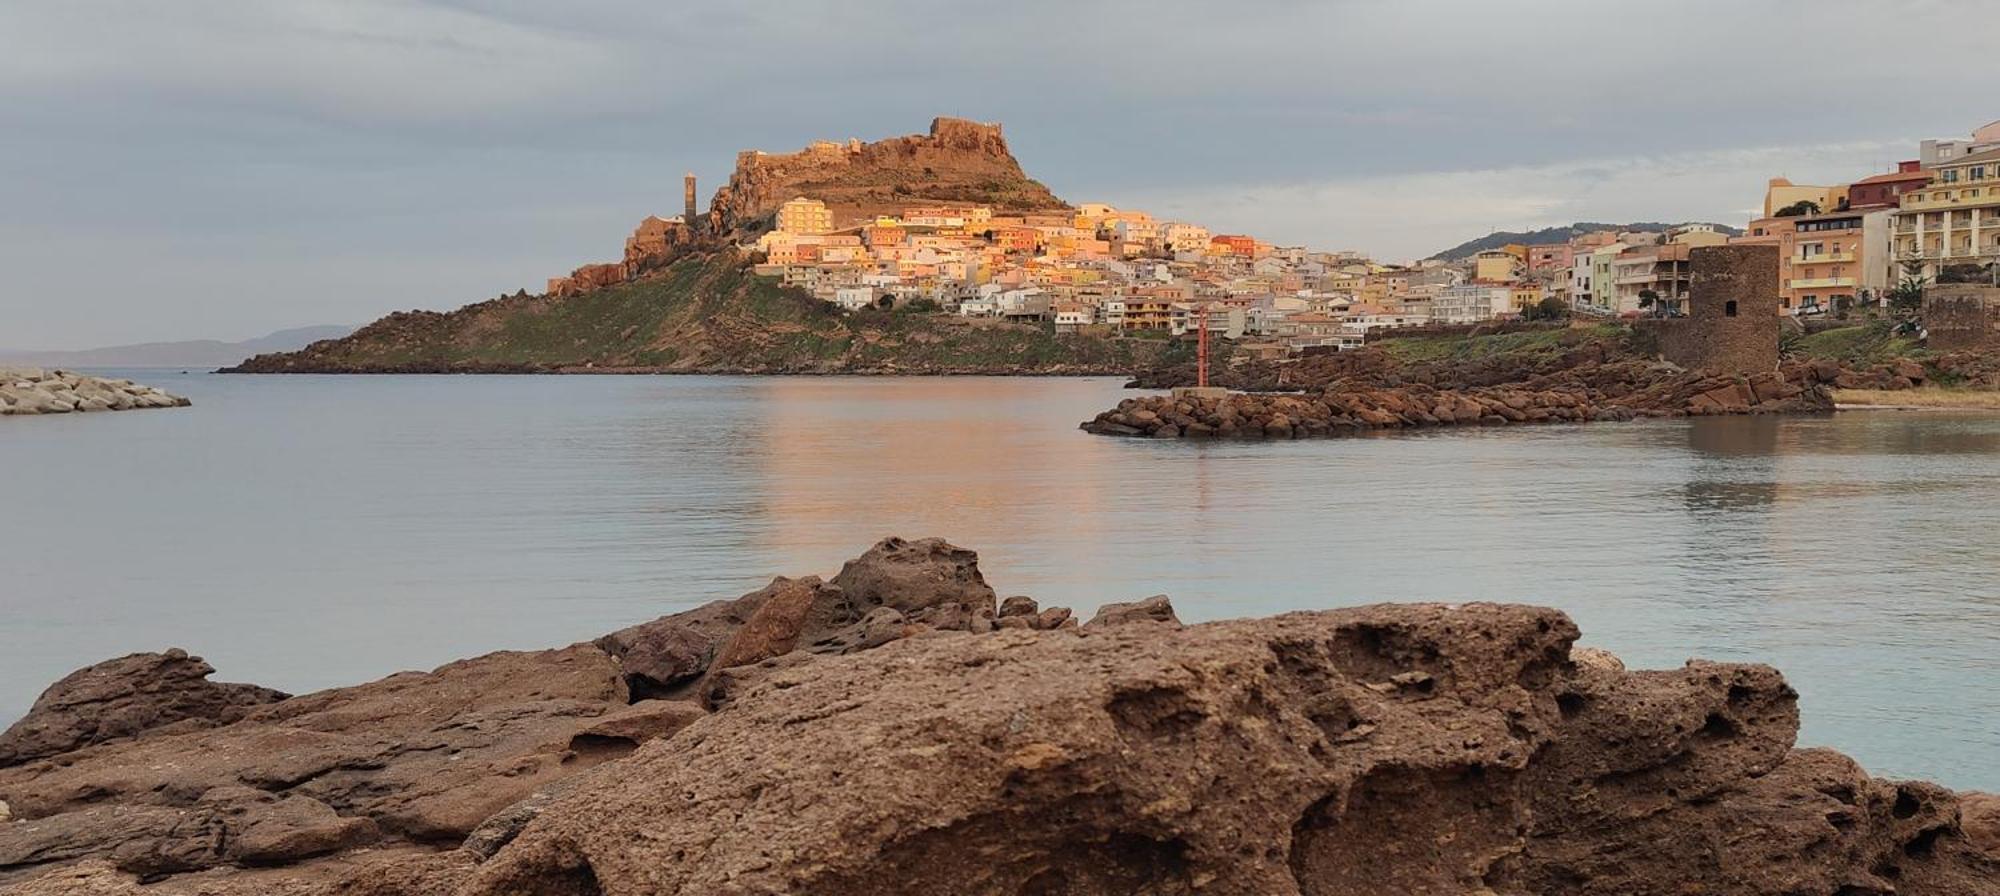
pixel 1379 750
pixel 124 698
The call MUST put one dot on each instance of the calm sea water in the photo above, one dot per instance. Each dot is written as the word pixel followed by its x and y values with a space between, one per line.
pixel 306 532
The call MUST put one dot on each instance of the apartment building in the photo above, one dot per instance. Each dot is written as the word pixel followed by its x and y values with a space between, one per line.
pixel 1954 220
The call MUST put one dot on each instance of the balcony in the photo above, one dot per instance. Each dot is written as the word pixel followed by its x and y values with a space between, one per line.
pixel 1824 258
pixel 1822 283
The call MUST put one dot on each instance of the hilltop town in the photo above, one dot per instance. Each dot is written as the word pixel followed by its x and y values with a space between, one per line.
pixel 946 226
pixel 1105 269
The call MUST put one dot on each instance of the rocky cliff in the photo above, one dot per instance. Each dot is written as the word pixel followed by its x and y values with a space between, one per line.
pixel 958 161
pixel 896 729
pixel 703 313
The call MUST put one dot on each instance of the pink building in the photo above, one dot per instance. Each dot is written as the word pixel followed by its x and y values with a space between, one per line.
pixel 1550 257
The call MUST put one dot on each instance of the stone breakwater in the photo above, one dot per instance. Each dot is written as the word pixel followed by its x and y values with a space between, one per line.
pixel 899 729
pixel 1620 392
pixel 36 391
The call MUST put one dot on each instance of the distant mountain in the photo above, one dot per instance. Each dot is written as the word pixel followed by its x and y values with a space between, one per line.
pixel 1546 235
pixel 192 353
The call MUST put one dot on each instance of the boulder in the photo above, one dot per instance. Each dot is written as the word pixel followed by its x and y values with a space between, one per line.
pixel 1597 658
pixel 913 575
pixel 127 697
pixel 1152 609
pixel 671 651
pixel 787 609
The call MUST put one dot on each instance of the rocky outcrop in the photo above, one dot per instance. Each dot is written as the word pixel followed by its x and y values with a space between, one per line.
pixel 1391 749
pixel 1347 408
pixel 417 758
pixel 126 697
pixel 143 763
pixel 1380 750
pixel 30 390
pixel 957 161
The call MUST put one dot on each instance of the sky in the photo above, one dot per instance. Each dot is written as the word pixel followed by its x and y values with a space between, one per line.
pixel 218 169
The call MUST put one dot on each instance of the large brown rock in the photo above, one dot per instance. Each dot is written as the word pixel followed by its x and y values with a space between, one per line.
pixel 1388 749
pixel 128 697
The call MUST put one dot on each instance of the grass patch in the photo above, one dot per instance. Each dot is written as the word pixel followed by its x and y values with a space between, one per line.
pixel 1861 345
pixel 1417 349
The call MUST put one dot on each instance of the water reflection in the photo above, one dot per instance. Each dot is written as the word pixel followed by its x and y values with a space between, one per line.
pixel 303 532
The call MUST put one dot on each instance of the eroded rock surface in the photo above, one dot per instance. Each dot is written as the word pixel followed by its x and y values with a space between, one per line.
pixel 1391 749
pixel 892 730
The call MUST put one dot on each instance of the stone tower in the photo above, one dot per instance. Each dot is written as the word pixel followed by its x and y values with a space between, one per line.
pixel 687 197
pixel 1733 316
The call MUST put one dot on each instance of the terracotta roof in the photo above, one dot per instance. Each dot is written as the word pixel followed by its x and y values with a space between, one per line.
pixel 1894 176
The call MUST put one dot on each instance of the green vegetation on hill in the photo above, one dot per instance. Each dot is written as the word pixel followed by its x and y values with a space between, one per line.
pixel 1550 343
pixel 1866 344
pixel 703 313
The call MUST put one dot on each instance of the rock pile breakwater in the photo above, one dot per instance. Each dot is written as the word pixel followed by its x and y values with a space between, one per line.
pixel 29 390
pixel 1619 391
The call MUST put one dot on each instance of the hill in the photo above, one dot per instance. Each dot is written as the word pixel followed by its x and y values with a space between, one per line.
pixel 188 353
pixel 1547 235
pixel 703 313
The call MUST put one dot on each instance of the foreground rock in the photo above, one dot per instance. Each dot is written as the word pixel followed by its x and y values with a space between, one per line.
pixel 28 390
pixel 852 748
pixel 126 697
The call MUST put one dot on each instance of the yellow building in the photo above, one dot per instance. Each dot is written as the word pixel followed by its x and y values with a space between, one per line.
pixel 1955 220
pixel 1497 266
pixel 805 216
pixel 1780 192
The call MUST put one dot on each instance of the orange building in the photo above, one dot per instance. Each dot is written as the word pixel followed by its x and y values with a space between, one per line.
pixel 1235 244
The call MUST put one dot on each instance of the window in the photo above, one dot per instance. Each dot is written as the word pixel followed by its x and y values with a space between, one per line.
pixel 1729 308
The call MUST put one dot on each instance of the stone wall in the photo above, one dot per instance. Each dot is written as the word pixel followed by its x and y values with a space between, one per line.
pixel 1961 316
pixel 28 390
pixel 1733 321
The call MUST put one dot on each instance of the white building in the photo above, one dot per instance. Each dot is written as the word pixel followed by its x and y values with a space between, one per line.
pixel 853 298
pixel 1471 302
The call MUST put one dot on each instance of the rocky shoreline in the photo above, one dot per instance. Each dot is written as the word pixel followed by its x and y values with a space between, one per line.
pixel 504 369
pixel 1353 404
pixel 32 390
pixel 899 729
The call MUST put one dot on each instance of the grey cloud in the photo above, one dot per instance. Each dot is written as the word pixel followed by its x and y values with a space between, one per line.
pixel 328 160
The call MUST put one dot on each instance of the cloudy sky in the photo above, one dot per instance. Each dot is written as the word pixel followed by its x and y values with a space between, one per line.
pixel 217 169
